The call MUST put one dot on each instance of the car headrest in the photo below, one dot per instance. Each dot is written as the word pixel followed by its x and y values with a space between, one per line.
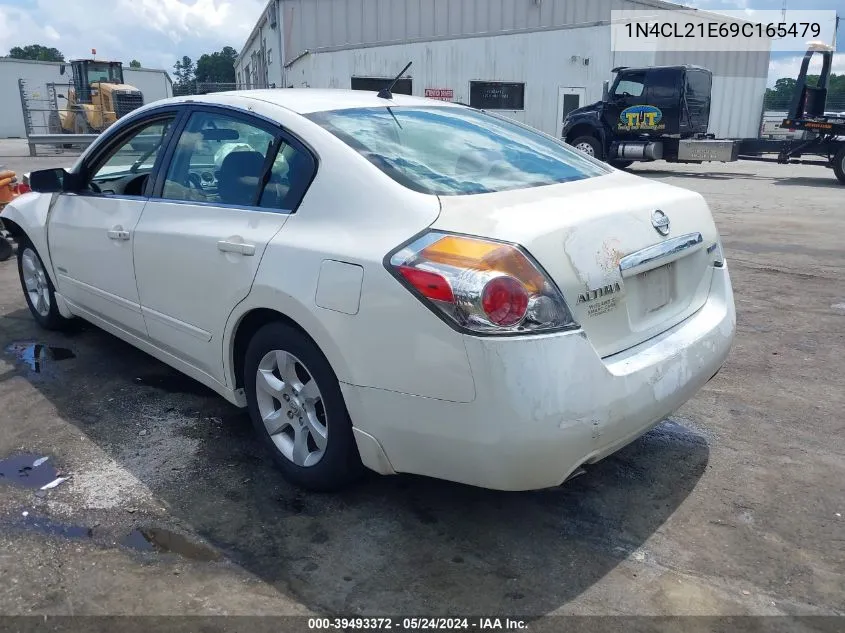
pixel 237 182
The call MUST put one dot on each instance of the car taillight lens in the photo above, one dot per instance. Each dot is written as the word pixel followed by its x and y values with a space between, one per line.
pixel 481 285
pixel 22 188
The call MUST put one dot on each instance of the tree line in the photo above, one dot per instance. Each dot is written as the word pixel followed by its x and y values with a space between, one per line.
pixel 217 67
pixel 780 97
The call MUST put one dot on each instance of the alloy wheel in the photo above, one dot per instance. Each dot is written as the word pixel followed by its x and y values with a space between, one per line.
pixel 35 280
pixel 291 407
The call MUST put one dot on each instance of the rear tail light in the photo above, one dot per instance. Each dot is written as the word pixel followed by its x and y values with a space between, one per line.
pixel 22 188
pixel 481 285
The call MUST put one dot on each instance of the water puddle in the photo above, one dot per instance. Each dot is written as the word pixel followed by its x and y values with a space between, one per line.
pixel 28 471
pixel 154 540
pixel 136 540
pixel 167 542
pixel 174 383
pixel 54 528
pixel 38 355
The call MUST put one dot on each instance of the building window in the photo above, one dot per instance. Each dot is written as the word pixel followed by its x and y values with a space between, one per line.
pixel 374 84
pixel 269 56
pixel 497 95
pixel 246 76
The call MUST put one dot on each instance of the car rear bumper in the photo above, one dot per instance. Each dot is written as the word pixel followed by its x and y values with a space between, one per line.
pixel 546 405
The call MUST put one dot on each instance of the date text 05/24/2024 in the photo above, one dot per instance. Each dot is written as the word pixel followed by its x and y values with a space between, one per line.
pixel 417 624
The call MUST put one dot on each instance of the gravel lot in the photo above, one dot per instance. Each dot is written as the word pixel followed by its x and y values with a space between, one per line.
pixel 734 506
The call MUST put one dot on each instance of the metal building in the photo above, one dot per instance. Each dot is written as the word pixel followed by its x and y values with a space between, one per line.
pixel 532 60
pixel 154 84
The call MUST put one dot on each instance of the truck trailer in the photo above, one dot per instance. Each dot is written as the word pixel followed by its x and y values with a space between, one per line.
pixel 663 113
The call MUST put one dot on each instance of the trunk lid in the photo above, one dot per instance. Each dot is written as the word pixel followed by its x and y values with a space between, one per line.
pixel 623 280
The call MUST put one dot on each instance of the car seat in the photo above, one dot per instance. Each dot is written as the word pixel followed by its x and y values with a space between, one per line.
pixel 237 182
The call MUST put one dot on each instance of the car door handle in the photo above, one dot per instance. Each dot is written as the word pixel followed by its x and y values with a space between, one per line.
pixel 118 233
pixel 236 247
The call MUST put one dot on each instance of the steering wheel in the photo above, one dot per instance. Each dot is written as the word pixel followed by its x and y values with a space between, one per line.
pixel 93 186
pixel 193 180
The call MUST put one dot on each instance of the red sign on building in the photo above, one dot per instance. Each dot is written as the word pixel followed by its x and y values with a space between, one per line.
pixel 443 94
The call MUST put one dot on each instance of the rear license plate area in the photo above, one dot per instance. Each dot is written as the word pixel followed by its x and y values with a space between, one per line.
pixel 656 288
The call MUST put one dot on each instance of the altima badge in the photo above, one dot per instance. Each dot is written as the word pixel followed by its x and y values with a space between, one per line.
pixel 660 222
pixel 592 295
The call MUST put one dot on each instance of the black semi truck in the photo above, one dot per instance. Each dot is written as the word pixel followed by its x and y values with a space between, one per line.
pixel 663 112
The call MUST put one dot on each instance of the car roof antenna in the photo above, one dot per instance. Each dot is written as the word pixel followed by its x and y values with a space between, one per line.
pixel 385 93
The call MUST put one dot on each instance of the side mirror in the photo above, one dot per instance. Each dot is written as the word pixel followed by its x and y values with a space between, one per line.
pixel 605 91
pixel 52 180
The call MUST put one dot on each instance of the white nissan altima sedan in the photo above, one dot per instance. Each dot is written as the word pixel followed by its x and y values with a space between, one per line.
pixel 395 283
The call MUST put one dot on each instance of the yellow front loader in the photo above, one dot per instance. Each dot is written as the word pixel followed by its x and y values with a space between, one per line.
pixel 95 100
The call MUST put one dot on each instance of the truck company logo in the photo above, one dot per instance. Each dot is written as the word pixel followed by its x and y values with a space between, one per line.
pixel 641 117
pixel 592 295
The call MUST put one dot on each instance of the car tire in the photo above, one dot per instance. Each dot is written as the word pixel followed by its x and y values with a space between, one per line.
pixel 621 164
pixel 589 145
pixel 38 289
pixel 839 165
pixel 6 250
pixel 290 384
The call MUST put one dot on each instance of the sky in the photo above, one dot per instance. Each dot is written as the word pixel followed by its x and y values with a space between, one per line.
pixel 785 64
pixel 158 32
pixel 155 32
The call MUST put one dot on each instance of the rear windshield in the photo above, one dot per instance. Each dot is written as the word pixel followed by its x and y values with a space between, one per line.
pixel 451 151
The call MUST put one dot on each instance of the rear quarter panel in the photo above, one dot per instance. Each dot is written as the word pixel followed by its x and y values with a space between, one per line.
pixel 355 214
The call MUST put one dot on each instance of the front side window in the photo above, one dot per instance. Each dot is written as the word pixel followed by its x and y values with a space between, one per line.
pixel 128 165
pixel 104 73
pixel 456 151
pixel 631 85
pixel 227 161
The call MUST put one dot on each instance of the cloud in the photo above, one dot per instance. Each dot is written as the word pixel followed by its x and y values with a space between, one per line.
pixel 717 5
pixel 156 32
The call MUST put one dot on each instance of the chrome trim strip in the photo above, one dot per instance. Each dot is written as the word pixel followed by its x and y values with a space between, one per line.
pixel 176 324
pixel 660 254
pixel 102 294
pixel 220 205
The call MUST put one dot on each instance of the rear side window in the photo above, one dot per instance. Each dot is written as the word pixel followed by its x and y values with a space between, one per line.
pixel 453 151
pixel 698 84
pixel 225 160
pixel 663 85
